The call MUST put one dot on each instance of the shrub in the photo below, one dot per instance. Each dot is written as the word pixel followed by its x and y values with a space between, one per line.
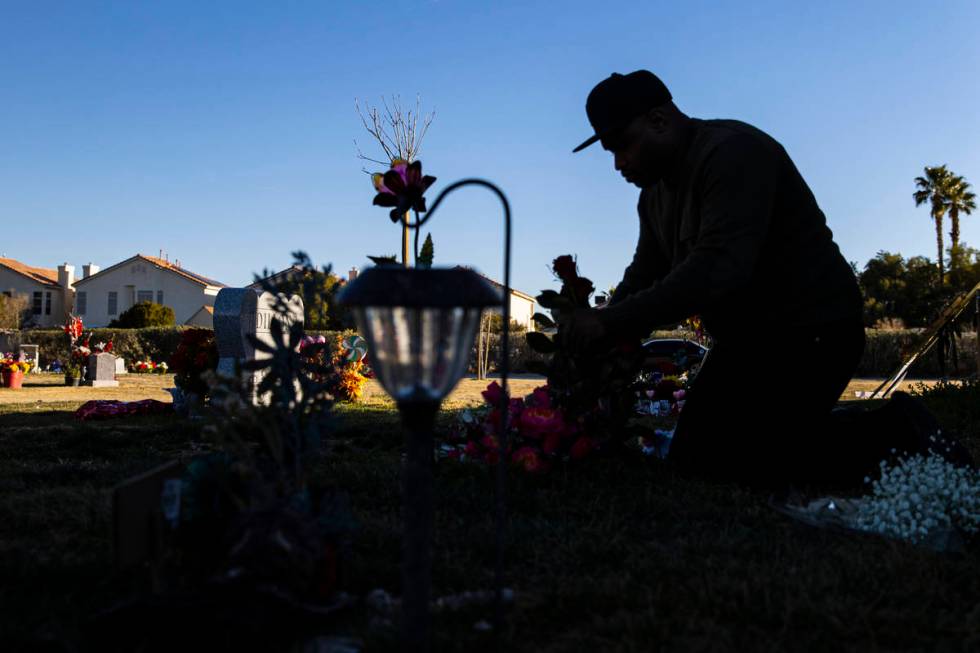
pixel 143 315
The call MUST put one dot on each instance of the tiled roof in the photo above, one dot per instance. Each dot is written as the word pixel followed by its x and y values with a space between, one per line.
pixel 187 273
pixel 40 275
pixel 162 263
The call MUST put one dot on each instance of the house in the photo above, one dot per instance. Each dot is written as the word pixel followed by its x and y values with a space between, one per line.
pixel 521 304
pixel 204 317
pixel 102 295
pixel 48 292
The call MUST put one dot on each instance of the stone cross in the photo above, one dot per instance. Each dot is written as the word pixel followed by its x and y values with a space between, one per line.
pixel 243 312
pixel 101 371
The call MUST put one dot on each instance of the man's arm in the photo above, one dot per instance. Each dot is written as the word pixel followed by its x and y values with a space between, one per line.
pixel 740 180
pixel 647 265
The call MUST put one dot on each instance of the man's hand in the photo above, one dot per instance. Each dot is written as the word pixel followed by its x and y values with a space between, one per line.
pixel 583 330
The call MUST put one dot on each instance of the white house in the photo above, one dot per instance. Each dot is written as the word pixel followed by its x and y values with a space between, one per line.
pixel 521 304
pixel 101 296
pixel 48 292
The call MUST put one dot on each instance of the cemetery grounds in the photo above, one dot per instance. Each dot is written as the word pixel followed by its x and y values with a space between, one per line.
pixel 619 554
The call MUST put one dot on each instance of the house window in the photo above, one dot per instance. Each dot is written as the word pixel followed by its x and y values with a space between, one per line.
pixel 81 302
pixel 144 296
pixel 113 302
pixel 47 303
pixel 36 304
pixel 160 297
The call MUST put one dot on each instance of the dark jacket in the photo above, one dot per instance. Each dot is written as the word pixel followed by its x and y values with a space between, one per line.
pixel 736 237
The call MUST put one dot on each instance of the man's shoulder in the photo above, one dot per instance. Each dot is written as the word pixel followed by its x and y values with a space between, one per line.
pixel 733 136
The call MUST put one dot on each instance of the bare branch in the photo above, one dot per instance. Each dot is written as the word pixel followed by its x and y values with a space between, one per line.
pixel 395 129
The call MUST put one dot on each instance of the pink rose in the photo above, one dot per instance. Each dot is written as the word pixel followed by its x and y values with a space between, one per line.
pixel 679 394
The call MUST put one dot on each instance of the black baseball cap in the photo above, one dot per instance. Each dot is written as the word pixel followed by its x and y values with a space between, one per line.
pixel 618 99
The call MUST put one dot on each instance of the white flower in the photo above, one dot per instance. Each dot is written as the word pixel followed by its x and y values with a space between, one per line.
pixel 920 494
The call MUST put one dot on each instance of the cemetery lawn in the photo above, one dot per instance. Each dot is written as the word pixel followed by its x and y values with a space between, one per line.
pixel 615 554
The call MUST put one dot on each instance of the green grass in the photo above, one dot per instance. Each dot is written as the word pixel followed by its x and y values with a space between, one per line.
pixel 617 554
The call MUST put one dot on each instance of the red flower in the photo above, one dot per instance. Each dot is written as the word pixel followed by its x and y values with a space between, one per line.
pixel 492 394
pixel 472 450
pixel 564 266
pixel 538 422
pixel 540 398
pixel 581 287
pixel 581 448
pixel 530 459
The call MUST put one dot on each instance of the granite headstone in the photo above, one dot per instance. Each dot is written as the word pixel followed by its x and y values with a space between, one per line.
pixel 101 371
pixel 243 312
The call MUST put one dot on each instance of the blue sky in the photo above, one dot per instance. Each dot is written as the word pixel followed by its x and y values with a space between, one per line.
pixel 224 133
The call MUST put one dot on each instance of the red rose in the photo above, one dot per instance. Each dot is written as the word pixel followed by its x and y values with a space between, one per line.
pixel 537 422
pixel 492 394
pixel 564 267
pixel 581 287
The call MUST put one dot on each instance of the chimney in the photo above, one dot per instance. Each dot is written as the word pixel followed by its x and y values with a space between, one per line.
pixel 89 270
pixel 352 274
pixel 66 276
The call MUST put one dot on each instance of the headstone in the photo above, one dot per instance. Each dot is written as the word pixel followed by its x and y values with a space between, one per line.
pixel 121 366
pixel 243 312
pixel 101 371
pixel 31 354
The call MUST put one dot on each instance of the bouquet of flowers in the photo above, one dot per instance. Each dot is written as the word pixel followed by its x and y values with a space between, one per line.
pixel 595 389
pixel 539 432
pixel 918 496
pixel 196 354
pixel 348 371
pixel 10 364
pixel 149 367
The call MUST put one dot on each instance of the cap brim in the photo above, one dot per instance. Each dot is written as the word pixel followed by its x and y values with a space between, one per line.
pixel 587 143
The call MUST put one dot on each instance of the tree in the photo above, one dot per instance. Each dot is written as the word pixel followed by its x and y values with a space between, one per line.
pixel 427 254
pixel 959 199
pixel 883 285
pixel 318 287
pixel 13 310
pixel 934 188
pixel 145 314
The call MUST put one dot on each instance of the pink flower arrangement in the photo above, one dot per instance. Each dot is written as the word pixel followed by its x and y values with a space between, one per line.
pixel 539 434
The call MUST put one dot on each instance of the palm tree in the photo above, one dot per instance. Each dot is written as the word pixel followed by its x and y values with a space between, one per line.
pixel 934 188
pixel 959 199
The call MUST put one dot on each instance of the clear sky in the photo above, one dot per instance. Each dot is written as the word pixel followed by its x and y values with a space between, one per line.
pixel 223 133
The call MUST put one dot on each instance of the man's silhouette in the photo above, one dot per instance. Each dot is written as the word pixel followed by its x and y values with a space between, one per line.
pixel 730 231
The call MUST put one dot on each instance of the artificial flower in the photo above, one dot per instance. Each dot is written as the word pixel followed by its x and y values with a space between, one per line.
pixel 539 422
pixel 530 460
pixel 564 267
pixel 402 187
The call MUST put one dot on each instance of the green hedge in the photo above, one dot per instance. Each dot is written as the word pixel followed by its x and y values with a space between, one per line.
pixel 154 343
pixel 882 353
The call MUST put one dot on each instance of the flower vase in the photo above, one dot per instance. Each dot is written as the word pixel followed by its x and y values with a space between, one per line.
pixel 72 380
pixel 13 379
